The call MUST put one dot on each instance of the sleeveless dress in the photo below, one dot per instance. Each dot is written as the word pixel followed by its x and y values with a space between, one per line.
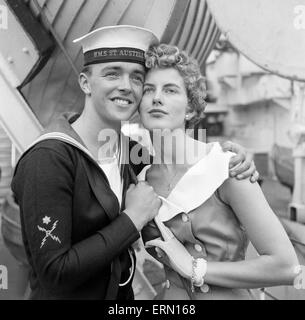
pixel 206 226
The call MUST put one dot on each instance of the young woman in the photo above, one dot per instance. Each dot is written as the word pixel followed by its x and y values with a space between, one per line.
pixel 206 217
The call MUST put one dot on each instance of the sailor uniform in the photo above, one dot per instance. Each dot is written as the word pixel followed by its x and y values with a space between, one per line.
pixel 76 235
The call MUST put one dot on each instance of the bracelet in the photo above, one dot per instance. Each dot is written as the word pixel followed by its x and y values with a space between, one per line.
pixel 199 270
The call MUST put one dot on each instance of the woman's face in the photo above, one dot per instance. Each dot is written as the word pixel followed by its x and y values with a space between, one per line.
pixel 164 102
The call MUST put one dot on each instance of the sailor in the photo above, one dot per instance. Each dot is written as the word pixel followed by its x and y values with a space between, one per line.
pixel 80 211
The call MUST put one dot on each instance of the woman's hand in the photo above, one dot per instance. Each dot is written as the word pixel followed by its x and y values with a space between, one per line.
pixel 177 255
pixel 242 165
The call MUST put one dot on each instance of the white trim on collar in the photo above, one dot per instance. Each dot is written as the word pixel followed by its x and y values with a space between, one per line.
pixel 63 137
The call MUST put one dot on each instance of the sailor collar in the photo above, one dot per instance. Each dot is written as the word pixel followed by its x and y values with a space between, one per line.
pixel 197 185
pixel 61 129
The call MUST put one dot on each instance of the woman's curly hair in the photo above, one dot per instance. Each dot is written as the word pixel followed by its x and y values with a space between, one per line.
pixel 166 56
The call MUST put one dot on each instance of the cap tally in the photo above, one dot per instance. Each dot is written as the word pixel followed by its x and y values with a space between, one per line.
pixel 117 43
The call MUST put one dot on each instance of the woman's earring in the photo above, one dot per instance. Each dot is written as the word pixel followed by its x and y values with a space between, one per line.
pixel 187 117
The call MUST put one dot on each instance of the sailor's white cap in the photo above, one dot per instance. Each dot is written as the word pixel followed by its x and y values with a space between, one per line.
pixel 117 43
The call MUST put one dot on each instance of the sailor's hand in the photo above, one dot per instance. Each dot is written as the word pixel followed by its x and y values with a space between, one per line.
pixel 142 204
pixel 242 165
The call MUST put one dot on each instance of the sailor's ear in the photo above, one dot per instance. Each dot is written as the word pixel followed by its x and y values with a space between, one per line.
pixel 84 83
